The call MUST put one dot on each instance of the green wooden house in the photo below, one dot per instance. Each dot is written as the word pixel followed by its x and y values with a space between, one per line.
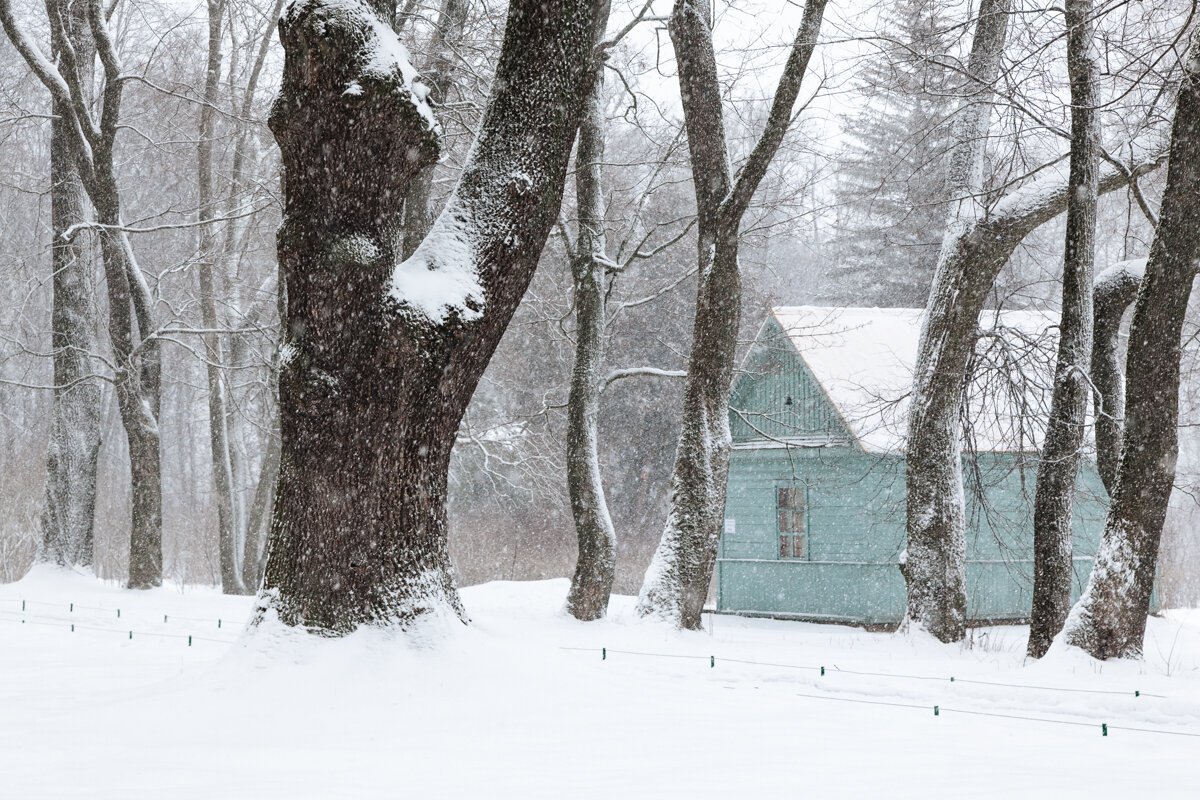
pixel 815 515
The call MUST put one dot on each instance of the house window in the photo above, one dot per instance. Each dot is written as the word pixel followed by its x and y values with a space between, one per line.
pixel 793 522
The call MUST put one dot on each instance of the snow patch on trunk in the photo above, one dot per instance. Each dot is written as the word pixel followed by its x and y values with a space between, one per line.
pixel 440 278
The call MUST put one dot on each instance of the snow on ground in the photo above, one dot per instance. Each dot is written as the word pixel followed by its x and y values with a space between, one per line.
pixel 503 709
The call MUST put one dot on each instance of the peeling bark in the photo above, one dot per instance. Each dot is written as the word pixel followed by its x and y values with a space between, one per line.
pixel 381 358
pixel 1109 621
pixel 1063 443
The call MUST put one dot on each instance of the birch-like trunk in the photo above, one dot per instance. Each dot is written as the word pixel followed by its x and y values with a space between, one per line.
pixel 1109 621
pixel 1063 444
pixel 218 418
pixel 595 568
pixel 380 357
pixel 69 510
pixel 676 584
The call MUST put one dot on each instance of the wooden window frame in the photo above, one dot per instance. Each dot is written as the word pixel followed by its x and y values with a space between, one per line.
pixel 791 522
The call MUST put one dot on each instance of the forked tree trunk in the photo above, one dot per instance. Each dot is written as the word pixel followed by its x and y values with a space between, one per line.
pixel 934 560
pixel 218 418
pixel 1116 289
pixel 595 568
pixel 1109 621
pixel 1059 464
pixel 676 584
pixel 70 502
pixel 972 254
pixel 381 358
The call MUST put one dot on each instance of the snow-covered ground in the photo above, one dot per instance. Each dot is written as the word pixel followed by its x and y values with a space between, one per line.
pixel 506 707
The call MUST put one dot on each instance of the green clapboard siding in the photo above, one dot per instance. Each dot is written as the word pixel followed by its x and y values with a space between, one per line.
pixel 773 373
pixel 855 509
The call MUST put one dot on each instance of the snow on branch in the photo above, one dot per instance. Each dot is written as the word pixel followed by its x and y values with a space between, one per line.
pixel 648 372
pixel 381 57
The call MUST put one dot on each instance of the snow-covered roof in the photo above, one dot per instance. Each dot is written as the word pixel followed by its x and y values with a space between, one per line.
pixel 863 359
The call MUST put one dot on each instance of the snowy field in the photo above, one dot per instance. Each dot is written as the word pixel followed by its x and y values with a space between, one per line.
pixel 506 707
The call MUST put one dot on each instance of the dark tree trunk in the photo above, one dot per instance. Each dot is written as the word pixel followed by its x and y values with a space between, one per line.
pixel 1059 465
pixel 1116 289
pixel 381 358
pixel 1109 621
pixel 591 585
pixel 68 513
pixel 676 584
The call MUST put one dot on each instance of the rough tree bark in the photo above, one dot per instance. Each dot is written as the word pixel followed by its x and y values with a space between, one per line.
pixel 677 581
pixel 974 250
pixel 1109 621
pixel 1116 288
pixel 934 560
pixel 136 351
pixel 218 418
pixel 595 568
pixel 1063 444
pixel 69 509
pixel 381 358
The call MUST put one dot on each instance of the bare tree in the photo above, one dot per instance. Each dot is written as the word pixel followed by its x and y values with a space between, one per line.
pixel 381 358
pixel 438 73
pixel 596 565
pixel 975 248
pixel 218 418
pixel 677 581
pixel 130 325
pixel 1063 443
pixel 1109 621
pixel 68 514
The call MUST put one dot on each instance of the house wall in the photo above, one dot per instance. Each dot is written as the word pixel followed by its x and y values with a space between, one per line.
pixel 855 529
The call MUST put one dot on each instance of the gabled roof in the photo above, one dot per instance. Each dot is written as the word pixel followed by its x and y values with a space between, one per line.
pixel 863 358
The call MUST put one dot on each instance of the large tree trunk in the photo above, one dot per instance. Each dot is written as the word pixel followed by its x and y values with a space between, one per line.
pixel 381 358
pixel 1116 289
pixel 1109 621
pixel 1059 465
pixel 218 418
pixel 934 561
pixel 68 513
pixel 596 566
pixel 676 584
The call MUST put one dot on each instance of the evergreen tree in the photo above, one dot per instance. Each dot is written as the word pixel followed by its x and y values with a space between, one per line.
pixel 891 175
